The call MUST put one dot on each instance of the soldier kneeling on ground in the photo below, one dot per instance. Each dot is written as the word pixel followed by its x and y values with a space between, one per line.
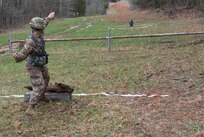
pixel 36 60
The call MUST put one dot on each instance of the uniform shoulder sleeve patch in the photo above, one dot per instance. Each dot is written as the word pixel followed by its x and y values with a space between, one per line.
pixel 29 44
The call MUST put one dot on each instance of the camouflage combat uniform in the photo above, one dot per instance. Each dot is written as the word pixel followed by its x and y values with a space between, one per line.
pixel 34 50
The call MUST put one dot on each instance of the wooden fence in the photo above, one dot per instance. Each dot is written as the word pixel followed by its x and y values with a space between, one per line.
pixel 109 37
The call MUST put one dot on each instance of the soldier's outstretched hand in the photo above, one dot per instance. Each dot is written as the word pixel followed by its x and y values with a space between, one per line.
pixel 16 57
pixel 51 15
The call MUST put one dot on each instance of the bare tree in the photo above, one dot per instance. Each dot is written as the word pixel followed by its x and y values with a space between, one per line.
pixel 17 12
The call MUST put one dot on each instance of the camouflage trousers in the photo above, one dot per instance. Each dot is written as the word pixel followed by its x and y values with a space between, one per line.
pixel 39 78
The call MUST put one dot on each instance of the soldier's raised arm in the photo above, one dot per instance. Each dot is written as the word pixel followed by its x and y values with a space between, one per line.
pixel 50 17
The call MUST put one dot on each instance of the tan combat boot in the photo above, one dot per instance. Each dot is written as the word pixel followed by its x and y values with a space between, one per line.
pixel 31 110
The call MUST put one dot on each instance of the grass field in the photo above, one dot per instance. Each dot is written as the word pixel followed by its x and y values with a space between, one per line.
pixel 149 65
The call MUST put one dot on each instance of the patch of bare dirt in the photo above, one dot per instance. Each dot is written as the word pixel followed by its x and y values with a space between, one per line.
pixel 120 12
pixel 118 7
pixel 161 116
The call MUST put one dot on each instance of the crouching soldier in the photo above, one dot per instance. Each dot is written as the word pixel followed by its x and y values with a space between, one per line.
pixel 36 60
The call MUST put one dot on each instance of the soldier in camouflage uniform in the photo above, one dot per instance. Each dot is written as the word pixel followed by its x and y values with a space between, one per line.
pixel 36 60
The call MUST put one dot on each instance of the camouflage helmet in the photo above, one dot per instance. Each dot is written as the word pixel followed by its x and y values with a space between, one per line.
pixel 37 23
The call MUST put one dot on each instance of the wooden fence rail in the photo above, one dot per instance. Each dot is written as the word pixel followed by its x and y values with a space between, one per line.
pixel 109 37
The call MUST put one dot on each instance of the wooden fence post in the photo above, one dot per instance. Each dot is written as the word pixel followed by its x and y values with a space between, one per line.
pixel 109 39
pixel 10 43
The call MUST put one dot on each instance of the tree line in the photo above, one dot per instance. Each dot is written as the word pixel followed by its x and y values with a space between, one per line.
pixel 168 3
pixel 18 12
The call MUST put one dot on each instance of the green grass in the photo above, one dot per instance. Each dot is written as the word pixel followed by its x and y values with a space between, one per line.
pixel 197 128
pixel 88 66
